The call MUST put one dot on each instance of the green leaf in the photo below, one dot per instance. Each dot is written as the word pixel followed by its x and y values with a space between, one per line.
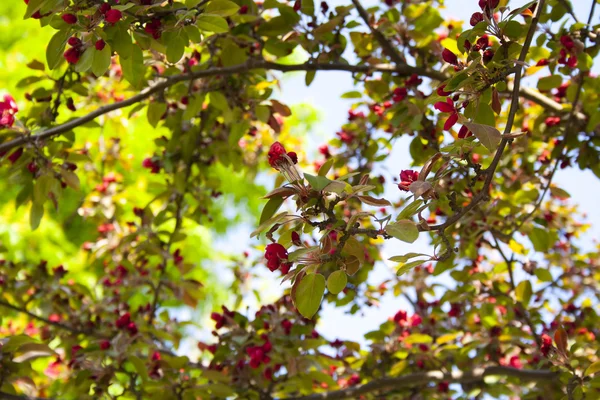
pixel 270 208
pixel 543 274
pixel 540 238
pixel 404 268
pixel 489 136
pixel 212 23
pixel 309 77
pixel 232 54
pixel 411 209
pixel 318 183
pixel 592 369
pixel 120 40
pixel 86 60
pixel 336 282
pixel 524 292
pixel 307 7
pixel 326 167
pixel 404 230
pixel 549 82
pixel 133 67
pixel 101 61
pixel 352 95
pixel 224 8
pixel 175 45
pixel 56 48
pixel 36 214
pixel 309 294
pixel 155 112
pixel 139 366
pixel 404 258
pixel 193 107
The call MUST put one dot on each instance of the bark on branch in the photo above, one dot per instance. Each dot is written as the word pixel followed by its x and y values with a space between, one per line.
pixel 422 378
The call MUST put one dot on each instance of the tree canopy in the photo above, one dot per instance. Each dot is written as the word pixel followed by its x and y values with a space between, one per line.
pixel 136 133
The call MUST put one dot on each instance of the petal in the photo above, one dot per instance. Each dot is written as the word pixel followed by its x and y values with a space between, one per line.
pixel 451 121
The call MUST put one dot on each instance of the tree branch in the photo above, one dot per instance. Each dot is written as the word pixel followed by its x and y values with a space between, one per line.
pixel 385 44
pixel 483 195
pixel 423 378
pixel 405 70
pixel 42 319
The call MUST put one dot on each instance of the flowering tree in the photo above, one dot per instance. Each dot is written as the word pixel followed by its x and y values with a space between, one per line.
pixel 149 122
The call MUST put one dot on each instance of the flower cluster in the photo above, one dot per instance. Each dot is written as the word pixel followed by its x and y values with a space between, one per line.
pixel 8 109
pixel 278 156
pixel 277 256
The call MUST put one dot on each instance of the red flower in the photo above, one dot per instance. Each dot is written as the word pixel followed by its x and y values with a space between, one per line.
pixel 72 55
pixel 8 109
pixel 476 18
pixel 406 178
pixel 123 321
pixel 400 94
pixel 153 28
pixel 552 121
pixel 276 155
pixel 293 156
pixel 447 107
pixel 275 253
pixel 14 157
pixel 104 8
pixel 442 92
pixel 104 345
pixel 113 16
pixel 243 10
pixel 413 80
pixel 449 57
pixel 74 41
pixel 100 45
pixel 400 317
pixel 152 164
pixel 69 18
pixel 443 387
pixel 543 62
pixel 567 42
pixel 286 324
pixel 464 132
pixel 546 344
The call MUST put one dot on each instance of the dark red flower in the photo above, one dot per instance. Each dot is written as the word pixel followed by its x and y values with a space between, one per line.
pixel 275 155
pixel 567 42
pixel 69 18
pixel 275 253
pixel 399 94
pixel 449 57
pixel 104 8
pixel 72 55
pixel 113 16
pixel 543 62
pixel 293 156
pixel 442 92
pixel 552 121
pixel 100 44
pixel 14 157
pixel 153 28
pixel 104 345
pixel 243 10
pixel 476 18
pixel 74 41
pixel 406 178
pixel 464 132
